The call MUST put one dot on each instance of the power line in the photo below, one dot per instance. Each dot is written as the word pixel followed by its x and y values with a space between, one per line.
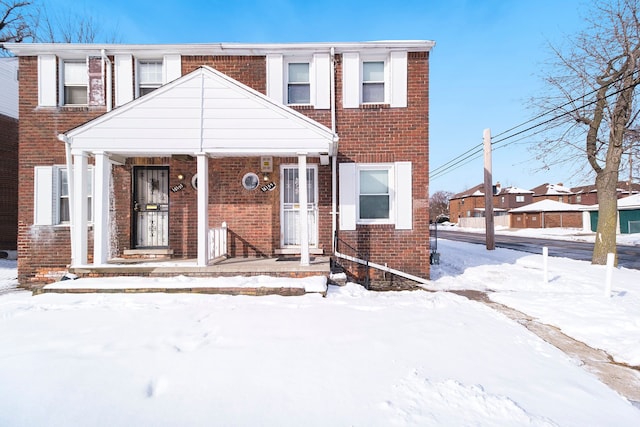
pixel 474 152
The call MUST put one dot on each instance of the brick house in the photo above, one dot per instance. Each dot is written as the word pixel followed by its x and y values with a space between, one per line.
pixel 556 192
pixel 547 213
pixel 467 204
pixel 8 155
pixel 471 204
pixel 131 150
pixel 588 194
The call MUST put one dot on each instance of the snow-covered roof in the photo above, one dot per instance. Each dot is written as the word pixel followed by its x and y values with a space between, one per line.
pixel 516 190
pixel 557 189
pixel 630 202
pixel 548 206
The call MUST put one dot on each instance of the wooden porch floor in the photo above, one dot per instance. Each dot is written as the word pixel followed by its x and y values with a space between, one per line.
pixel 283 276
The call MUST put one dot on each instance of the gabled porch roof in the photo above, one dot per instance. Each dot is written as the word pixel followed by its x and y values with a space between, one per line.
pixel 204 111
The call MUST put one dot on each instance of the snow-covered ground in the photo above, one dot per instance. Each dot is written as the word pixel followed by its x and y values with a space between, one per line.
pixel 353 358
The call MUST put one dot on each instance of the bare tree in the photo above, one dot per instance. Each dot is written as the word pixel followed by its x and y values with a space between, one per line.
pixel 15 21
pixel 439 205
pixel 30 20
pixel 593 89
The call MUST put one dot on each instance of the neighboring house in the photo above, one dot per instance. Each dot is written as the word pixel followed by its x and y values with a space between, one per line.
pixel 509 198
pixel 143 150
pixel 467 204
pixel 556 192
pixel 471 203
pixel 547 214
pixel 628 215
pixel 588 194
pixel 8 155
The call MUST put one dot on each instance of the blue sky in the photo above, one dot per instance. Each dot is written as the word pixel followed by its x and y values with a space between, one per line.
pixel 487 62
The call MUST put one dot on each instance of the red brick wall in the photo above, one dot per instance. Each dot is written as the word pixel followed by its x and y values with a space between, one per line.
pixel 381 134
pixel 43 251
pixel 9 186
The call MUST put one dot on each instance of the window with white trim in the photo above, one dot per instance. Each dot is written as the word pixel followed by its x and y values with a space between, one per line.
pixel 75 82
pixel 52 195
pixel 373 77
pixel 298 83
pixel 375 194
pixel 519 199
pixel 149 76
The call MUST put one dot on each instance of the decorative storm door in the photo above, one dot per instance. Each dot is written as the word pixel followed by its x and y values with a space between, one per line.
pixel 151 207
pixel 289 195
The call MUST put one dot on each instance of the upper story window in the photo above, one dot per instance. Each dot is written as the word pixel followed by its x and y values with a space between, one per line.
pixel 519 199
pixel 374 79
pixel 76 81
pixel 149 76
pixel 578 198
pixel 373 82
pixel 298 83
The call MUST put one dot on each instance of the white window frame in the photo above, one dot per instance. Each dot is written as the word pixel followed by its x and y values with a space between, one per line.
pixel 389 167
pixel 519 198
pixel 385 81
pixel 48 190
pixel 310 82
pixel 63 82
pixel 145 85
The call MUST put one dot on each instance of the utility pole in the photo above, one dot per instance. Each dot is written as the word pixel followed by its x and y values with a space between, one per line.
pixel 488 192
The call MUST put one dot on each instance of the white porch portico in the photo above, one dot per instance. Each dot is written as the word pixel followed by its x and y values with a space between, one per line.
pixel 202 114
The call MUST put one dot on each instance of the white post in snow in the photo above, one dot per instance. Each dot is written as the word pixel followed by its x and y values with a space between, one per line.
pixel 607 288
pixel 545 264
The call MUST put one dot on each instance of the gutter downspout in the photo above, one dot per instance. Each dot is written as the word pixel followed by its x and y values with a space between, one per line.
pixel 107 95
pixel 67 146
pixel 334 158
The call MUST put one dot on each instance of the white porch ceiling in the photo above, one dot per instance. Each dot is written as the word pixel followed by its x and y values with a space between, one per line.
pixel 203 111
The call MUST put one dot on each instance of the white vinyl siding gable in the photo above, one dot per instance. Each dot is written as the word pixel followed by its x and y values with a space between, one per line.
pixel 359 71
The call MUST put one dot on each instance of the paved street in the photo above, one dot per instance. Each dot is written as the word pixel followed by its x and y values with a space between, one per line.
pixel 628 256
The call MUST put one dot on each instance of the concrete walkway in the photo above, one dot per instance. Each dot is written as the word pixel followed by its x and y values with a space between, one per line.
pixel 619 377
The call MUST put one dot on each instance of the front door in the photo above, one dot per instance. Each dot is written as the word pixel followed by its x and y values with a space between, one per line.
pixel 290 206
pixel 151 207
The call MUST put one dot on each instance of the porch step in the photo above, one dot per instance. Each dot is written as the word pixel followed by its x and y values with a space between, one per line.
pixel 150 254
pixel 296 251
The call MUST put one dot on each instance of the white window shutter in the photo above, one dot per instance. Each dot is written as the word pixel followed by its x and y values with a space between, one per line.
pixel 322 65
pixel 44 197
pixel 275 77
pixel 350 80
pixel 172 68
pixel 398 79
pixel 47 82
pixel 404 205
pixel 123 79
pixel 348 197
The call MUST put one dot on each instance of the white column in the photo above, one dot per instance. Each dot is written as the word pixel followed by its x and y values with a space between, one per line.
pixel 80 222
pixel 102 176
pixel 203 209
pixel 304 213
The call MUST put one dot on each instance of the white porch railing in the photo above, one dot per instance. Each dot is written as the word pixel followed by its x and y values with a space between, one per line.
pixel 218 242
